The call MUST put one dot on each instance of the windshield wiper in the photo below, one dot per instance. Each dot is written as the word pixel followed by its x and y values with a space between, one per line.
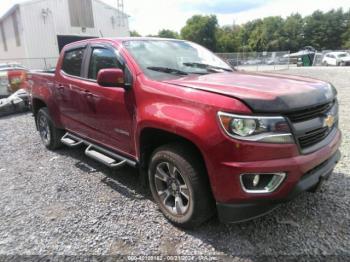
pixel 206 66
pixel 167 70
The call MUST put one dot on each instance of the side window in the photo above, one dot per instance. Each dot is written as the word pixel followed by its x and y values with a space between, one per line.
pixel 102 58
pixel 73 61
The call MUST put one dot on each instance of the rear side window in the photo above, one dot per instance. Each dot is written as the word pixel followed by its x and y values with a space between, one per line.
pixel 102 58
pixel 72 61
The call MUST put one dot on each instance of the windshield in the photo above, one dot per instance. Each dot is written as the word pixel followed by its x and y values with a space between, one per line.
pixel 343 55
pixel 168 58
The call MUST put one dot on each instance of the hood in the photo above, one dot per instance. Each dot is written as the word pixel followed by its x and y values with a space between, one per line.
pixel 263 92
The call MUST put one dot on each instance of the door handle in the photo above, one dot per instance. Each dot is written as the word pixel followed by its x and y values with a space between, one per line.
pixel 87 93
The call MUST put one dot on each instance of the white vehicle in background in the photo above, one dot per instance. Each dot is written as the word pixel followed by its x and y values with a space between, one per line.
pixel 336 59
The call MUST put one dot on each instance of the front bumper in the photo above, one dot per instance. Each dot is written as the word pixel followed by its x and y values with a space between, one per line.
pixel 248 210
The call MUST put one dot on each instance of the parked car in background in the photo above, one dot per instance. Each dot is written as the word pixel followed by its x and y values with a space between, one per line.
pixel 336 59
pixel 277 61
pixel 207 139
pixel 4 84
pixel 234 62
pixel 12 78
pixel 253 62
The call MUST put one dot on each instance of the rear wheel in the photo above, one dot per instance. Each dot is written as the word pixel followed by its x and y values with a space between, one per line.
pixel 49 134
pixel 180 187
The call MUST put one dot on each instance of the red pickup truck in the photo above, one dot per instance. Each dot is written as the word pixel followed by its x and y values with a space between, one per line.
pixel 207 139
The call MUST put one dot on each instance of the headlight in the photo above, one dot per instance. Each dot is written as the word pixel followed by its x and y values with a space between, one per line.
pixel 257 128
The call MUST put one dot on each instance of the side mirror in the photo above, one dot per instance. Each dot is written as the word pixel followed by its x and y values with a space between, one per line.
pixel 111 77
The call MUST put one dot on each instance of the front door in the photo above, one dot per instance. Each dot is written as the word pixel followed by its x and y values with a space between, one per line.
pixel 110 109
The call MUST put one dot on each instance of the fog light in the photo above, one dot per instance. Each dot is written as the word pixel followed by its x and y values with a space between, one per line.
pixel 261 183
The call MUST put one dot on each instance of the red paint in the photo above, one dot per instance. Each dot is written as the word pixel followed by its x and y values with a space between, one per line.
pixel 110 77
pixel 115 118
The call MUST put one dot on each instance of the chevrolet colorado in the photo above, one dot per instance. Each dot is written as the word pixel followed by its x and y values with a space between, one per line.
pixel 208 139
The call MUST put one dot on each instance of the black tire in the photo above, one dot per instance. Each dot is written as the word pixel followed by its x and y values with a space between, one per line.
pixel 200 205
pixel 51 138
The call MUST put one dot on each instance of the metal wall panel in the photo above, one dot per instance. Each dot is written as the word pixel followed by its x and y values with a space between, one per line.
pixel 13 50
pixel 81 13
pixel 40 21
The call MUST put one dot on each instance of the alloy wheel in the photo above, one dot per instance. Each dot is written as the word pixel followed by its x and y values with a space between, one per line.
pixel 44 129
pixel 172 189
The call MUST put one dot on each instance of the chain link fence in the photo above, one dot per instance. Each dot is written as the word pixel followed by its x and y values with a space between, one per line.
pixel 46 63
pixel 250 61
pixel 258 61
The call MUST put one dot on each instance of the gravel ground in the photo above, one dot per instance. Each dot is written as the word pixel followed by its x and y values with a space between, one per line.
pixel 66 204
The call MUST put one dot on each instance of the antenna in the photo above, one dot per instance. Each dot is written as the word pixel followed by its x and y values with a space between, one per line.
pixel 121 17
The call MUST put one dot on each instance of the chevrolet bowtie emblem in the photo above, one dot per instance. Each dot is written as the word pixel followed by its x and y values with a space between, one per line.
pixel 329 121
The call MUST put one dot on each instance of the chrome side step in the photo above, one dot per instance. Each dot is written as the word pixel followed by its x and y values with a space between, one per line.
pixel 71 140
pixel 104 159
pixel 98 153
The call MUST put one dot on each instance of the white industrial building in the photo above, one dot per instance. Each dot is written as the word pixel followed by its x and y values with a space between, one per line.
pixel 38 29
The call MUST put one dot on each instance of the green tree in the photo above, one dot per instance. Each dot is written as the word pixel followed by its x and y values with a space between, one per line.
pixel 166 33
pixel 227 38
pixel 272 34
pixel 346 34
pixel 324 30
pixel 255 36
pixel 245 34
pixel 330 30
pixel 346 39
pixel 293 32
pixel 202 30
pixel 134 33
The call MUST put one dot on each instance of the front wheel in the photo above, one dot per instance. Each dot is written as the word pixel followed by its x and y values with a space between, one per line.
pixel 179 185
pixel 49 134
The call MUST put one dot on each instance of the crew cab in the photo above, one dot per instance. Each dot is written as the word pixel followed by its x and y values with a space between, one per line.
pixel 206 138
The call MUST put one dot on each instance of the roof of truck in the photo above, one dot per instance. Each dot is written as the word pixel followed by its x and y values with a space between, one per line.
pixel 121 39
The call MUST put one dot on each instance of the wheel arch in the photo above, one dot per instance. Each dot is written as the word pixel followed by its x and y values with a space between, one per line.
pixel 152 138
pixel 37 104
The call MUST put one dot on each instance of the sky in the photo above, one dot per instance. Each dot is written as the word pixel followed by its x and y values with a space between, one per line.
pixel 150 16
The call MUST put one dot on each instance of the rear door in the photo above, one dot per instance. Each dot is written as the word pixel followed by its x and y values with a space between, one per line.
pixel 70 90
pixel 110 109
